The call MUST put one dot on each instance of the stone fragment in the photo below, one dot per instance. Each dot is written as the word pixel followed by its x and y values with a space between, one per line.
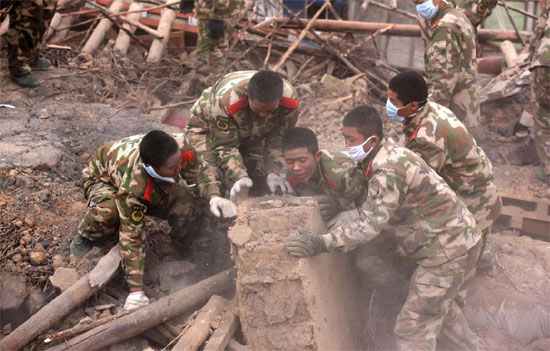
pixel 12 291
pixel 37 257
pixel 17 258
pixel 58 261
pixel 63 278
pixel 333 84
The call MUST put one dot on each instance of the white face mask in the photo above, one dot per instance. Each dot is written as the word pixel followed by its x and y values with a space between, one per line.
pixel 151 171
pixel 356 153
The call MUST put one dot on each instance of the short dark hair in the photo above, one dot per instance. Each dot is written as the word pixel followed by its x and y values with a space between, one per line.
pixel 265 86
pixel 156 147
pixel 366 119
pixel 298 137
pixel 410 86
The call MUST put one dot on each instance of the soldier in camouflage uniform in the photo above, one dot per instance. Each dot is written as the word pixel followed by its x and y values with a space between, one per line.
pixel 216 22
pixel 126 179
pixel 540 91
pixel 238 124
pixel 29 20
pixel 429 221
pixel 434 132
pixel 313 172
pixel 450 60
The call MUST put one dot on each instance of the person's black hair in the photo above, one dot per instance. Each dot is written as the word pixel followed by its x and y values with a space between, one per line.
pixel 410 86
pixel 156 147
pixel 299 137
pixel 265 86
pixel 366 119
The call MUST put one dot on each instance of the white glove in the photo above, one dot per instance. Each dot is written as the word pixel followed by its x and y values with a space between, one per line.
pixel 135 300
pixel 220 206
pixel 239 185
pixel 275 181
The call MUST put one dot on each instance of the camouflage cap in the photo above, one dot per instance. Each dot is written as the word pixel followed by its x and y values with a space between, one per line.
pixel 476 10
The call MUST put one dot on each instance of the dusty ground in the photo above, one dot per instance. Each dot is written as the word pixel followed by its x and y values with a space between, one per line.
pixel 46 139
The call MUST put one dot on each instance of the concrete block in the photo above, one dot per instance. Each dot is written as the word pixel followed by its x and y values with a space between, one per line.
pixel 288 303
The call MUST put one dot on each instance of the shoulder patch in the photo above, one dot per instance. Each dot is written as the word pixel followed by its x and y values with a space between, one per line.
pixel 222 123
pixel 414 134
pixel 137 214
pixel 238 106
pixel 289 103
pixel 187 156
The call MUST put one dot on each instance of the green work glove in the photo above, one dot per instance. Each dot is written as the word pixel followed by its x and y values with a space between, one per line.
pixel 344 218
pixel 305 244
pixel 328 206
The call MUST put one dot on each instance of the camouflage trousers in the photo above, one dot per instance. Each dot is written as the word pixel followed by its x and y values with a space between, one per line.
pixel 211 54
pixel 540 95
pixel 102 218
pixel 433 307
pixel 29 21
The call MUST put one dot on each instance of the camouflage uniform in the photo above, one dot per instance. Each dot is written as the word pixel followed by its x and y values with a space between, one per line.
pixel 232 138
pixel 336 179
pixel 540 89
pixel 451 65
pixel 29 20
pixel 212 52
pixel 434 227
pixel 447 146
pixel 120 192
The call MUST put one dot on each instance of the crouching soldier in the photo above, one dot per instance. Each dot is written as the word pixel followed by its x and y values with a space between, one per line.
pixel 313 172
pixel 238 124
pixel 429 222
pixel 126 179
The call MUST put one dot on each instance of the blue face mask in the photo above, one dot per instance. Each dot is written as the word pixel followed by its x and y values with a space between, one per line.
pixel 150 170
pixel 392 112
pixel 427 10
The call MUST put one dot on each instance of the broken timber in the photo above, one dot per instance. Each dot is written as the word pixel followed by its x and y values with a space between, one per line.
pixel 53 312
pixel 529 215
pixel 151 315
pixel 405 30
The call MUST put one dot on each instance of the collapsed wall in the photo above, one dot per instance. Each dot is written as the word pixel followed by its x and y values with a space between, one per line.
pixel 288 303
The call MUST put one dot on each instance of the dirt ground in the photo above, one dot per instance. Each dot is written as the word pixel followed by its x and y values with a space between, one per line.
pixel 84 102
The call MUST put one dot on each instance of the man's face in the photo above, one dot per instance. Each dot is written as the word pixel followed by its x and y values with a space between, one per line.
pixel 301 163
pixel 352 136
pixel 263 109
pixel 172 167
pixel 394 98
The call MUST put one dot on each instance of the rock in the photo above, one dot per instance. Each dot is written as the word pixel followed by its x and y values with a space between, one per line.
pixel 63 278
pixel 17 258
pixel 18 224
pixel 58 261
pixel 333 84
pixel 35 301
pixel 23 180
pixel 29 221
pixel 507 249
pixel 12 173
pixel 27 239
pixel 37 257
pixel 12 291
pixel 6 329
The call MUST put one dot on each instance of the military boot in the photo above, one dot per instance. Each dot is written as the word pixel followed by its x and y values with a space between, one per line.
pixel 40 64
pixel 25 81
pixel 80 246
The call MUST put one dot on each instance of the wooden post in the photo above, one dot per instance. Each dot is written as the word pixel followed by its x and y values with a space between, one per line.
pixel 223 334
pixel 64 23
pixel 193 337
pixel 123 40
pixel 509 52
pixel 104 25
pixel 149 316
pixel 54 25
pixel 53 312
pixel 167 17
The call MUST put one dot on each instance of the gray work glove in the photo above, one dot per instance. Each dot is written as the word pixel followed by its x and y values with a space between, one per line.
pixel 344 218
pixel 222 207
pixel 328 206
pixel 304 244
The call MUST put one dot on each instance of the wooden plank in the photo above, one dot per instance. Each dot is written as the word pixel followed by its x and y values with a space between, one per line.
pixel 527 214
pixel 221 337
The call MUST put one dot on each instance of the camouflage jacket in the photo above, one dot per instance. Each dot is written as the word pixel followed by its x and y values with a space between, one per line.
pixel 446 145
pixel 450 57
pixel 336 178
pixel 406 196
pixel 541 51
pixel 222 112
pixel 218 9
pixel 119 164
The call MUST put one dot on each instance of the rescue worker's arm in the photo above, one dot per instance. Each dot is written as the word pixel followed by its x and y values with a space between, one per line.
pixel 132 248
pixel 274 160
pixel 443 66
pixel 224 139
pixel 385 195
pixel 429 151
